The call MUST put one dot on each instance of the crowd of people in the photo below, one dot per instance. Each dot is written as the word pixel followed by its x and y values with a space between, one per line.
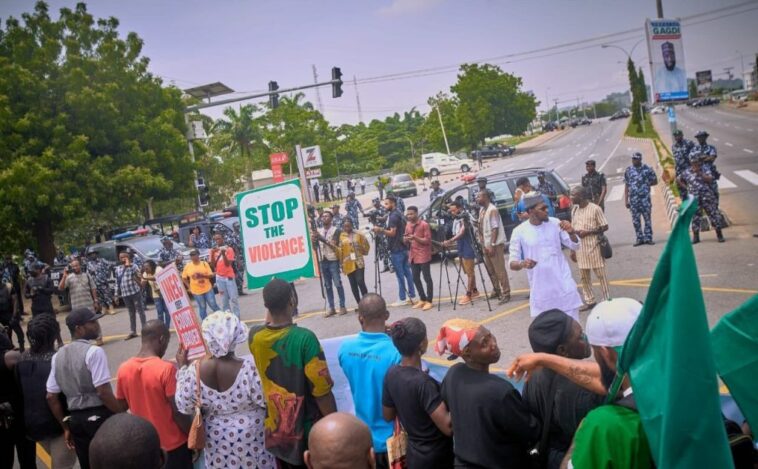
pixel 330 191
pixel 276 407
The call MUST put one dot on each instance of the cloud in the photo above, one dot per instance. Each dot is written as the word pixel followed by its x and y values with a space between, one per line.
pixel 405 7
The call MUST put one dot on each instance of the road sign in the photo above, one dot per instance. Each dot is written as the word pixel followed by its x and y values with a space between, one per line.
pixel 312 173
pixel 277 174
pixel 183 316
pixel 312 157
pixel 275 237
pixel 278 158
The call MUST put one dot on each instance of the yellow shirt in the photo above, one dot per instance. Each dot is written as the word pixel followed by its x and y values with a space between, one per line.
pixel 198 286
pixel 352 248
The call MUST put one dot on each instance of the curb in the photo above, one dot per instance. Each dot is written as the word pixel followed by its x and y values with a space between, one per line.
pixel 672 207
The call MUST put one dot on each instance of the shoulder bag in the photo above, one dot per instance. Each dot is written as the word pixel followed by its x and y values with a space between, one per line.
pixel 196 437
pixel 397 447
pixel 605 246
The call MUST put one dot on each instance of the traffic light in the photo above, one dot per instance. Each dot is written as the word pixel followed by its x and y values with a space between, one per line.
pixel 336 87
pixel 203 193
pixel 273 99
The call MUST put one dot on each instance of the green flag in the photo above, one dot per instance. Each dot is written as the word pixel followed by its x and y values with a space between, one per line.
pixel 735 347
pixel 670 363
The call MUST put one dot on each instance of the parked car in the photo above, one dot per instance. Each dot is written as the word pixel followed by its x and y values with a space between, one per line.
pixel 620 115
pixel 503 185
pixel 493 151
pixel 658 110
pixel 435 164
pixel 402 185
pixel 550 126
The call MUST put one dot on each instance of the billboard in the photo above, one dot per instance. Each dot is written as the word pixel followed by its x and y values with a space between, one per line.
pixel 312 157
pixel 704 82
pixel 275 237
pixel 664 46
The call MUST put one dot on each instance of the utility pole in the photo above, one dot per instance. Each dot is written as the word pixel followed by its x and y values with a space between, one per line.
pixel 547 103
pixel 742 63
pixel 557 113
pixel 357 100
pixel 659 7
pixel 318 93
pixel 444 135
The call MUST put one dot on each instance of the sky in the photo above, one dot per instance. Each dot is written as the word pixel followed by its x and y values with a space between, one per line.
pixel 247 43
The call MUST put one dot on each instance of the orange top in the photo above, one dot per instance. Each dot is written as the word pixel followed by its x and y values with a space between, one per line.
pixel 222 270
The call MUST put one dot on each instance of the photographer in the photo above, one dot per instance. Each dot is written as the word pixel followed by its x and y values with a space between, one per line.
pixel 40 289
pixel 462 240
pixel 222 262
pixel 327 237
pixel 378 217
pixel 81 287
pixel 398 250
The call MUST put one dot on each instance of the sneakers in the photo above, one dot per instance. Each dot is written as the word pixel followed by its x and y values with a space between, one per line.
pixel 504 299
pixel 399 303
pixel 476 294
pixel 330 313
pixel 343 311
pixel 465 300
pixel 427 306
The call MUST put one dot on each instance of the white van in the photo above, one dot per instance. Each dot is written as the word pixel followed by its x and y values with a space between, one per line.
pixel 436 163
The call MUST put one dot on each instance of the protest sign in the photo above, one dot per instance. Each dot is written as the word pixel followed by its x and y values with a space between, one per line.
pixel 182 314
pixel 275 236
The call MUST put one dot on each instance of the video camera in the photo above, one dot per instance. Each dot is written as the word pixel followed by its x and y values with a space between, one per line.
pixel 375 217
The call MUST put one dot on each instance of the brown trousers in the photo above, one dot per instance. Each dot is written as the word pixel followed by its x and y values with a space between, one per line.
pixel 496 269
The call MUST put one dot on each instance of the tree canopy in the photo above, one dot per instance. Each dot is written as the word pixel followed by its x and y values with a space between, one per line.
pixel 86 131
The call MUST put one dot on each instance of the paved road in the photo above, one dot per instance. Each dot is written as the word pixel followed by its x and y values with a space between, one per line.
pixel 629 269
pixel 728 271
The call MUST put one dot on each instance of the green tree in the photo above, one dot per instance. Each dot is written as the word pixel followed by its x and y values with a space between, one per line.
pixel 642 85
pixel 85 129
pixel 692 88
pixel 491 103
pixel 635 89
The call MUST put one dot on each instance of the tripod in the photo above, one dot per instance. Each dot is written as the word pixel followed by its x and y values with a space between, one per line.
pixel 314 227
pixel 479 259
pixel 377 269
pixel 443 263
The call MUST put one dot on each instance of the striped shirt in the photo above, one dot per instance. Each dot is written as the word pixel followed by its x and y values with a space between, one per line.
pixel 589 218
pixel 80 288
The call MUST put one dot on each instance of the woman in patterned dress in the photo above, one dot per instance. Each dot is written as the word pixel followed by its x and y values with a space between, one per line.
pixel 232 400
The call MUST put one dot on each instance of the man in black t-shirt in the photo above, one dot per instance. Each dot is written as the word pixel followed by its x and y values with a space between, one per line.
pixel 492 427
pixel 398 251
pixel 557 333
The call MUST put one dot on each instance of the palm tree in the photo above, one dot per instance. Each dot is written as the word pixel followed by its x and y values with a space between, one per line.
pixel 238 132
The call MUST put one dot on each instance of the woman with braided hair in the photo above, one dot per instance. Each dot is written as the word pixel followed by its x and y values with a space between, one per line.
pixel 413 397
pixel 32 371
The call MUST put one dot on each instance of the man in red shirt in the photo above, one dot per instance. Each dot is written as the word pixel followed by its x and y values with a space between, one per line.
pixel 222 260
pixel 418 237
pixel 147 384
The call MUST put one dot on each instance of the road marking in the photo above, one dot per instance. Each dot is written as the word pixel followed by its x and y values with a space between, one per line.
pixel 747 150
pixel 715 139
pixel 747 175
pixel 569 160
pixel 504 313
pixel 610 156
pixel 725 183
pixel 728 144
pixel 616 194
pixel 44 456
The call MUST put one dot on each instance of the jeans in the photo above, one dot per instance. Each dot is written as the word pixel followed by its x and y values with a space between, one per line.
pixel 83 425
pixel 227 287
pixel 426 269
pixel 331 272
pixel 357 284
pixel 203 301
pixel 162 311
pixel 403 273
pixel 135 305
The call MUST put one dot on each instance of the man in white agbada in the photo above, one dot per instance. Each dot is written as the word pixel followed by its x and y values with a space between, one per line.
pixel 536 246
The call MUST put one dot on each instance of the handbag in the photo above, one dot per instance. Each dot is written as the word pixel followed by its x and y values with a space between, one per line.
pixel 196 437
pixel 605 246
pixel 397 447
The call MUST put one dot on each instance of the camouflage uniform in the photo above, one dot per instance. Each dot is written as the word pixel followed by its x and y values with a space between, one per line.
pixel 435 193
pixel 353 207
pixel 166 256
pixel 681 151
pixel 100 270
pixel 708 159
pixel 638 181
pixel 594 183
pixel 706 199
pixel 202 241
pixel 547 189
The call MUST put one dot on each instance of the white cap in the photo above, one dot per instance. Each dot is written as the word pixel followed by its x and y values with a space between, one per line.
pixel 610 321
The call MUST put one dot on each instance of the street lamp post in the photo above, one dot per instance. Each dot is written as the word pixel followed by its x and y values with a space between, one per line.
pixel 631 85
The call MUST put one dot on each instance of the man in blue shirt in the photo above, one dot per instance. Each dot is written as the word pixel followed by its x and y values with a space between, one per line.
pixel 365 360
pixel 462 241
pixel 519 210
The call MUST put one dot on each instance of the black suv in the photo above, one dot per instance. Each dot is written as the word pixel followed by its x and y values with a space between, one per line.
pixel 503 185
pixel 493 151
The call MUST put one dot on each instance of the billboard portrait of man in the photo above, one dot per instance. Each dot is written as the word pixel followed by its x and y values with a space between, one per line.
pixel 668 76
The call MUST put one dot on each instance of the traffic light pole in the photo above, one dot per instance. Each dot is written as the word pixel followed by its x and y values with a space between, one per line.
pixel 197 107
